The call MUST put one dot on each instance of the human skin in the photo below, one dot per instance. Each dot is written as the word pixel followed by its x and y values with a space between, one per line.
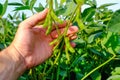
pixel 30 46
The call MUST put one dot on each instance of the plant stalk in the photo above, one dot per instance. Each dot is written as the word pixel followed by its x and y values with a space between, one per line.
pixel 99 67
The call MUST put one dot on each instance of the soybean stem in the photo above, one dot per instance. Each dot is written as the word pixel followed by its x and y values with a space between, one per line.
pixel 99 66
pixel 72 17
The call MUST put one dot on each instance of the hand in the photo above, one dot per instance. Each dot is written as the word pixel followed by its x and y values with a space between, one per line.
pixel 32 43
pixel 30 46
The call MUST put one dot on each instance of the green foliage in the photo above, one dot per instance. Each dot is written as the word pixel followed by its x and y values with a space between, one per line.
pixel 3 8
pixel 115 22
pixel 39 8
pixel 115 74
pixel 97 52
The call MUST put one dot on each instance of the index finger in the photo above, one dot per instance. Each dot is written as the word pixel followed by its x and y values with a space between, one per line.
pixel 60 25
pixel 33 20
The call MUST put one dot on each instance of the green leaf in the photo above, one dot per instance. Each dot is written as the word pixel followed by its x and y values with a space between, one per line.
pixel 1 46
pixel 15 14
pixel 1 9
pixel 22 8
pixel 96 76
pixel 88 14
pixel 116 71
pixel 93 36
pixel 106 5
pixel 26 2
pixel 40 8
pixel 92 3
pixel 2 30
pixel 10 17
pixel 60 11
pixel 112 41
pixel 114 77
pixel 107 38
pixel 76 61
pixel 68 1
pixel 114 23
pixel 15 4
pixel 92 29
pixel 96 52
pixel 70 8
pixel 32 3
pixel 23 16
pixel 5 7
pixel 56 4
pixel 79 76
pixel 62 1
pixel 63 73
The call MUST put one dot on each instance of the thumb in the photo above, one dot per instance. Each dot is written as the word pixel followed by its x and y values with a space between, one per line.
pixel 33 20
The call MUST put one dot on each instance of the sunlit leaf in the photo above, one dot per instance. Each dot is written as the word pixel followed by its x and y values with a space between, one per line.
pixel 114 24
pixel 15 14
pixel 40 8
pixel 70 8
pixel 26 2
pixel 32 3
pixel 60 11
pixel 94 2
pixel 91 3
pixel 2 30
pixel 5 7
pixel 112 41
pixel 23 16
pixel 92 37
pixel 10 16
pixel 114 77
pixel 62 1
pixel 56 4
pixel 106 5
pixel 116 71
pixel 15 4
pixel 22 8
pixel 88 14
pixel 1 9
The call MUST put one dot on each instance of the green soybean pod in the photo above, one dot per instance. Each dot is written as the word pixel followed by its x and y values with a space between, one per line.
pixel 55 17
pixel 67 55
pixel 56 46
pixel 71 49
pixel 80 24
pixel 68 45
pixel 46 21
pixel 67 42
pixel 54 41
pixel 49 28
pixel 56 51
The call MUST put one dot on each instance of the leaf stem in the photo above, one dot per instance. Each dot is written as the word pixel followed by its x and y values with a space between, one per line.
pixel 99 66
